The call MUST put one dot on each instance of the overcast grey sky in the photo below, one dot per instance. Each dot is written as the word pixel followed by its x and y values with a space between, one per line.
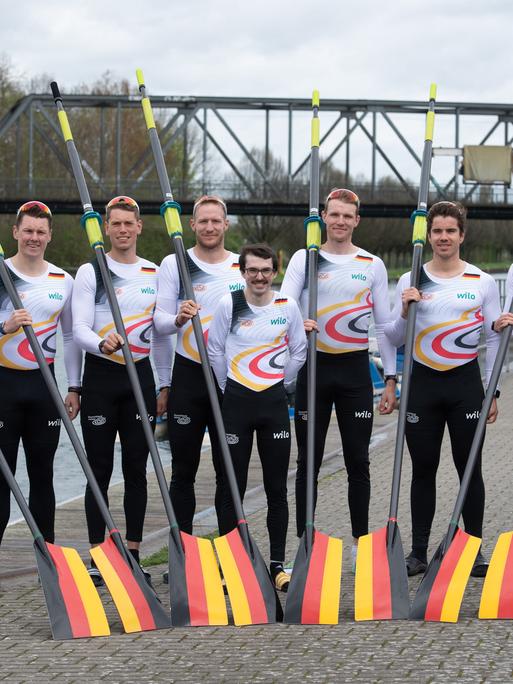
pixel 365 49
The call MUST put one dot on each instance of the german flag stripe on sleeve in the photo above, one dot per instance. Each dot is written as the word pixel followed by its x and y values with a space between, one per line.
pixel 246 597
pixel 235 265
pixel 148 269
pixel 447 591
pixel 281 300
pixel 361 257
pixel 472 276
pixel 83 606
pixel 56 275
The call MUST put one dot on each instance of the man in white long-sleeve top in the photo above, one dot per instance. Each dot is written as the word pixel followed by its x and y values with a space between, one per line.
pixel 256 345
pixel 108 402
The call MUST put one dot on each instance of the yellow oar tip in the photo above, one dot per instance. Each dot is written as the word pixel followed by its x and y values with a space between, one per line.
pixel 140 77
pixel 1 252
pixel 432 91
pixel 315 98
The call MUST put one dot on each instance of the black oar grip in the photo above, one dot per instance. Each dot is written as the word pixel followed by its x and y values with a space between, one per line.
pixel 55 91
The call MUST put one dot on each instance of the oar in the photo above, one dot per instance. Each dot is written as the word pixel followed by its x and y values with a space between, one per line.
pixel 381 580
pixel 196 592
pixel 138 606
pixel 252 595
pixel 73 604
pixel 314 592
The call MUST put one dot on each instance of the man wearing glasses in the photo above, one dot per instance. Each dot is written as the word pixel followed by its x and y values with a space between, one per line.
pixel 214 272
pixel 352 286
pixel 27 411
pixel 256 344
pixel 108 403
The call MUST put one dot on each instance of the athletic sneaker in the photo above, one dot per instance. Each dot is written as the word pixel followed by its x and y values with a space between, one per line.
pixel 282 581
pixel 414 566
pixel 147 575
pixel 95 575
pixel 480 567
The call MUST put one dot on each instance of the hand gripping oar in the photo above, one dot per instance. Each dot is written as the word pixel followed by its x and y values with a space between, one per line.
pixel 196 598
pixel 381 581
pixel 314 592
pixel 252 595
pixel 138 606
pixel 73 604
pixel 441 590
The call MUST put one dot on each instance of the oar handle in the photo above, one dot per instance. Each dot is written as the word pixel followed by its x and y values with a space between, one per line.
pixel 91 222
pixel 171 212
pixel 20 499
pixel 418 241
pixel 56 397
pixel 313 244
pixel 477 441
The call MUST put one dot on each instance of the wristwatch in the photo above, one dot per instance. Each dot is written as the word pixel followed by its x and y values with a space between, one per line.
pixel 391 377
pixel 497 394
pixel 101 345
pixel 2 331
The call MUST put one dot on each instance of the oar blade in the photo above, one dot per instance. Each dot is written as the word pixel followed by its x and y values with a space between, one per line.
pixel 195 585
pixel 441 590
pixel 381 579
pixel 497 596
pixel 138 606
pixel 73 604
pixel 313 597
pixel 250 589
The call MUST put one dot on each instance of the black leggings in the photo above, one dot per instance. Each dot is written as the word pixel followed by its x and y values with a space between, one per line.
pixel 108 407
pixel 27 412
pixel 343 380
pixel 438 398
pixel 188 414
pixel 266 413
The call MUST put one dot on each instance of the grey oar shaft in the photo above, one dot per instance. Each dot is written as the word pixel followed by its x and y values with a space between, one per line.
pixel 20 499
pixel 57 399
pixel 477 441
pixel 198 332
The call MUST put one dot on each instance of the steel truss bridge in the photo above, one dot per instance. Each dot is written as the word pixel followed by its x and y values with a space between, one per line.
pixel 252 151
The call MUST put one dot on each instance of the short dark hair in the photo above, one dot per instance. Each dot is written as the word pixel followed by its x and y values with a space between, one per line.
pixel 260 250
pixel 35 212
pixel 454 209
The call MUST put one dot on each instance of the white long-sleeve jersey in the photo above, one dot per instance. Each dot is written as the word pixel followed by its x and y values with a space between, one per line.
pixel 48 300
pixel 256 346
pixel 450 317
pixel 209 281
pixel 351 288
pixel 136 291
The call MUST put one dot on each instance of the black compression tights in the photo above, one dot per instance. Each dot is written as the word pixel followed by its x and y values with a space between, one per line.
pixel 265 413
pixel 343 380
pixel 451 398
pixel 108 407
pixel 27 412
pixel 188 414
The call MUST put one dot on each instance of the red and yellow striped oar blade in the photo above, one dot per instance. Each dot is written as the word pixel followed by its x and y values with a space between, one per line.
pixel 313 597
pixel 137 604
pixel 497 597
pixel 73 603
pixel 195 585
pixel 440 593
pixel 381 580
pixel 250 589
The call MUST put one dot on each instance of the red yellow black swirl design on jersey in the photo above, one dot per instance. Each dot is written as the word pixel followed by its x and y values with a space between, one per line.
pixel 16 345
pixel 340 324
pixel 265 359
pixel 436 337
pixel 139 340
